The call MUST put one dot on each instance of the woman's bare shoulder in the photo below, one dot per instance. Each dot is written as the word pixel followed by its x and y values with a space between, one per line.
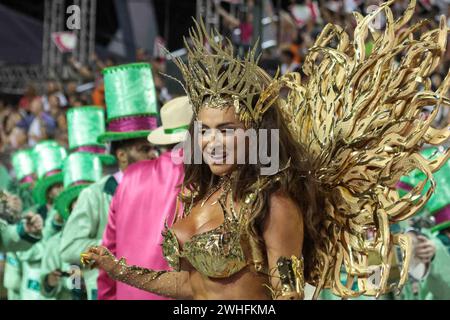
pixel 283 226
pixel 283 206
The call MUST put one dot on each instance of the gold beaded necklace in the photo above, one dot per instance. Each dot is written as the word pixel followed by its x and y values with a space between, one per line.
pixel 224 183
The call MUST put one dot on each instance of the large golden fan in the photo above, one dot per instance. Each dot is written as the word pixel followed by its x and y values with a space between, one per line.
pixel 360 117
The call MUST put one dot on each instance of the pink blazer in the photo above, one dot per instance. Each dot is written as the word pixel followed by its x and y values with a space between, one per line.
pixel 144 199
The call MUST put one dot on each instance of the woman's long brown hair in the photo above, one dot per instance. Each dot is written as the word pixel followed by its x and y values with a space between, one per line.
pixel 296 181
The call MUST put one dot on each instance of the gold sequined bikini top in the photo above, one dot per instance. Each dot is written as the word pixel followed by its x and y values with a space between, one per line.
pixel 227 249
pixel 216 253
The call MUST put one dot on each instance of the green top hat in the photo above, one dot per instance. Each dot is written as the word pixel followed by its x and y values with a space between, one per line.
pixel 45 144
pixel 49 161
pixel 85 124
pixel 131 104
pixel 24 166
pixel 441 195
pixel 80 169
pixel 442 218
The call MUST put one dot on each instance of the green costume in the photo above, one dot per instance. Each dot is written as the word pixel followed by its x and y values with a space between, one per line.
pixel 23 162
pixel 85 226
pixel 24 169
pixel 131 102
pixel 80 169
pixel 51 261
pixel 4 178
pixel 14 237
pixel 31 259
pixel 131 113
pixel 436 283
pixel 49 161
pixel 84 125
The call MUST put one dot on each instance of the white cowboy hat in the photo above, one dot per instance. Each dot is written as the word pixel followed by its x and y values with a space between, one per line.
pixel 176 115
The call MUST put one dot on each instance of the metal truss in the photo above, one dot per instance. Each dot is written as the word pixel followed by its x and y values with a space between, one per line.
pixel 14 79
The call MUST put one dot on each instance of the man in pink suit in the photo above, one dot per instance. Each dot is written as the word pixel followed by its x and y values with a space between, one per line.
pixel 144 201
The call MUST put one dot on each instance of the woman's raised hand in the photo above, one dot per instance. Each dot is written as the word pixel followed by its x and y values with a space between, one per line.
pixel 100 257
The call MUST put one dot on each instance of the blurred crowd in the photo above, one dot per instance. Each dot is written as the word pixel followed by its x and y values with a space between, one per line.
pixel 40 114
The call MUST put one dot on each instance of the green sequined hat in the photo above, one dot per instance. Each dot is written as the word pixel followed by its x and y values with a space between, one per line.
pixel 23 163
pixel 49 161
pixel 131 103
pixel 441 195
pixel 442 219
pixel 85 125
pixel 44 144
pixel 80 169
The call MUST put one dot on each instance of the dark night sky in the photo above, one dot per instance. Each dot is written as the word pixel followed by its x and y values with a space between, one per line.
pixel 179 14
pixel 106 18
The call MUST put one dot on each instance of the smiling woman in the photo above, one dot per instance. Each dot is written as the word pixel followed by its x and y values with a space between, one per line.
pixel 228 240
pixel 344 140
pixel 218 140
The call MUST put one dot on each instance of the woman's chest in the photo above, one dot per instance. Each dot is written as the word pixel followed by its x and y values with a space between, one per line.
pixel 201 219
pixel 205 216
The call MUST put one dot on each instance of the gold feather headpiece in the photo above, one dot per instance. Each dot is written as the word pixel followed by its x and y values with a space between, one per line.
pixel 214 77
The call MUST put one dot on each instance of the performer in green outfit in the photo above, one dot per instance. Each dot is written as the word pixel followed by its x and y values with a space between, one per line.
pixel 4 177
pixel 438 282
pixel 24 167
pixel 49 160
pixel 85 124
pixel 59 280
pixel 429 275
pixel 131 108
pixel 19 193
pixel 20 236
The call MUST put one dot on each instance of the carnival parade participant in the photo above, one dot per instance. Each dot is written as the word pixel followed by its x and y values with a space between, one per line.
pixel 438 282
pixel 49 157
pixel 131 110
pixel 59 280
pixel 138 211
pixel 345 137
pixel 429 271
pixel 20 194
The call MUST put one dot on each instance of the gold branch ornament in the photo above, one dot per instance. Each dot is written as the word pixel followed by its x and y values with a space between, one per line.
pixel 360 117
pixel 214 77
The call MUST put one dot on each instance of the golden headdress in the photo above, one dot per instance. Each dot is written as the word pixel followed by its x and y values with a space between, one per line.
pixel 215 77
pixel 360 118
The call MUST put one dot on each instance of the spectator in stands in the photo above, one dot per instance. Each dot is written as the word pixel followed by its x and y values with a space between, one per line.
pixel 54 106
pixel 30 94
pixel 61 134
pixel 53 89
pixel 288 63
pixel 43 125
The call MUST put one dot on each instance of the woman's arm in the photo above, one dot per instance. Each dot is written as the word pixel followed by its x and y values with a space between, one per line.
pixel 165 283
pixel 283 236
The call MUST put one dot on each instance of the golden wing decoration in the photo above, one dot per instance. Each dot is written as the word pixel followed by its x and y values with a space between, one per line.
pixel 360 117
